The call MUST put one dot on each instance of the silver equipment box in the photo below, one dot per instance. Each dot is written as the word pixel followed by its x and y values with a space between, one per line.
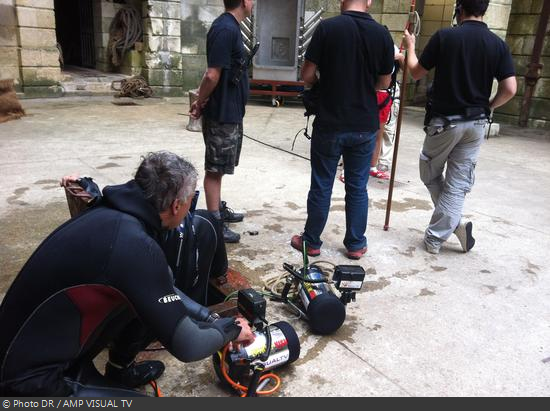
pixel 277 27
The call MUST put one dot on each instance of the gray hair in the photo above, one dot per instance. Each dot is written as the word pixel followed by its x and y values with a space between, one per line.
pixel 165 177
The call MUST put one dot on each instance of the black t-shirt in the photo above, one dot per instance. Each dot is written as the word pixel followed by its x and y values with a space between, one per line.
pixel 350 51
pixel 466 59
pixel 225 50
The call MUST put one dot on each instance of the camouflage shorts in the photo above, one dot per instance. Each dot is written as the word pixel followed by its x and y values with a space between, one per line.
pixel 223 146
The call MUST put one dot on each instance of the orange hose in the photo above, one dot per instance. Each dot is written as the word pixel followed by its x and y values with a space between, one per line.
pixel 156 388
pixel 242 388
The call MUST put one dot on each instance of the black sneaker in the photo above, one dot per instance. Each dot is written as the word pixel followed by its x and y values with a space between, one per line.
pixel 136 374
pixel 230 216
pixel 230 236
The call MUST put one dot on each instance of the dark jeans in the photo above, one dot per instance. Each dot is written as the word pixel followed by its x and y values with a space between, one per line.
pixel 326 149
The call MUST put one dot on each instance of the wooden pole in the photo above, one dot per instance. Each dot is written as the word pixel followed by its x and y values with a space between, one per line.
pixel 396 144
pixel 402 96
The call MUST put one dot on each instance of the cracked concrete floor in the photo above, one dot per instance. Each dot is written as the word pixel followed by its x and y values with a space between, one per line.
pixel 455 324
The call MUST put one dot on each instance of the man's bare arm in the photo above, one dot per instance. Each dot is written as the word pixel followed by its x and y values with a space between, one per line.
pixel 507 89
pixel 309 73
pixel 209 82
pixel 414 66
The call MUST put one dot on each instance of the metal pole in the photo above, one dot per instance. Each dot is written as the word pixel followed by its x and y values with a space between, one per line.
pixel 302 49
pixel 246 28
pixel 535 66
pixel 309 32
pixel 402 96
pixel 313 18
pixel 245 36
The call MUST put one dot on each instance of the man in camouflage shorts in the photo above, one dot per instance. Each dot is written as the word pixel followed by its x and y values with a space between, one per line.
pixel 223 146
pixel 223 94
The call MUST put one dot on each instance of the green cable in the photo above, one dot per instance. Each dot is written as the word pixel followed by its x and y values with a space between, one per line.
pixel 230 296
pixel 234 294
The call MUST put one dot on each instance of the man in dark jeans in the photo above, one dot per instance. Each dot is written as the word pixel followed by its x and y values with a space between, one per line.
pixel 466 59
pixel 354 56
pixel 223 94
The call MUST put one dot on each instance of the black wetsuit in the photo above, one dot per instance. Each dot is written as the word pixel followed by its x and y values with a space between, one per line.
pixel 88 281
pixel 195 252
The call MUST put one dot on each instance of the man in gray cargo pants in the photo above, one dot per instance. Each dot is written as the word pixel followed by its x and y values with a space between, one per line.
pixel 467 59
pixel 457 145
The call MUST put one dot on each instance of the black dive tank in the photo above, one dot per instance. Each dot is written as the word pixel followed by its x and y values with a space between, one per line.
pixel 285 349
pixel 325 311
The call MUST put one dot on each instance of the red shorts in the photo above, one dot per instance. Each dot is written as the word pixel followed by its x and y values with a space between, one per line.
pixel 383 112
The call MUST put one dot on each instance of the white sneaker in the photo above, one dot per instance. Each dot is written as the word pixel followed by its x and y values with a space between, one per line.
pixel 464 234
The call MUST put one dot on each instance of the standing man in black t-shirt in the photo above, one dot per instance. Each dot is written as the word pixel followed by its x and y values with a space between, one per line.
pixel 467 58
pixel 354 56
pixel 223 94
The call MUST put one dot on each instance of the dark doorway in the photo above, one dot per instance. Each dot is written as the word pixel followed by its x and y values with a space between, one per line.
pixel 74 22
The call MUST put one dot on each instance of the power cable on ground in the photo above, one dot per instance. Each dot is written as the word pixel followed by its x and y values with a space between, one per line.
pixel 276 148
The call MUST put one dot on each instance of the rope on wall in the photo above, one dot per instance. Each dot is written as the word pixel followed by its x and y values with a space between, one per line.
pixel 125 30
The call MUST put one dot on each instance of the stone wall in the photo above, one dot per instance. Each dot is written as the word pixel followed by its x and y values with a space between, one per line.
pixel 393 14
pixel 9 54
pixel 196 18
pixel 332 7
pixel 162 46
pixel 38 53
pixel 521 38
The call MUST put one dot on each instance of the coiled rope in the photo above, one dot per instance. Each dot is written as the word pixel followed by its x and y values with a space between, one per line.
pixel 125 30
pixel 135 87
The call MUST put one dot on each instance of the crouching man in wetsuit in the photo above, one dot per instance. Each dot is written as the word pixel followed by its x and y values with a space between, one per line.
pixel 103 278
pixel 195 250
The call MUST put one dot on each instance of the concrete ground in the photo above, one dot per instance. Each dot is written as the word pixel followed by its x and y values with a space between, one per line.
pixel 454 324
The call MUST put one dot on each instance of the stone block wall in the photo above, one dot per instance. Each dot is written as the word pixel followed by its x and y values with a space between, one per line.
pixel 393 14
pixel 196 18
pixel 163 67
pixel 38 54
pixel 523 25
pixel 332 7
pixel 9 42
pixel 498 16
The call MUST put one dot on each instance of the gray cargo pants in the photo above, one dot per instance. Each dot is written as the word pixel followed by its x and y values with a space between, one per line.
pixel 457 145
